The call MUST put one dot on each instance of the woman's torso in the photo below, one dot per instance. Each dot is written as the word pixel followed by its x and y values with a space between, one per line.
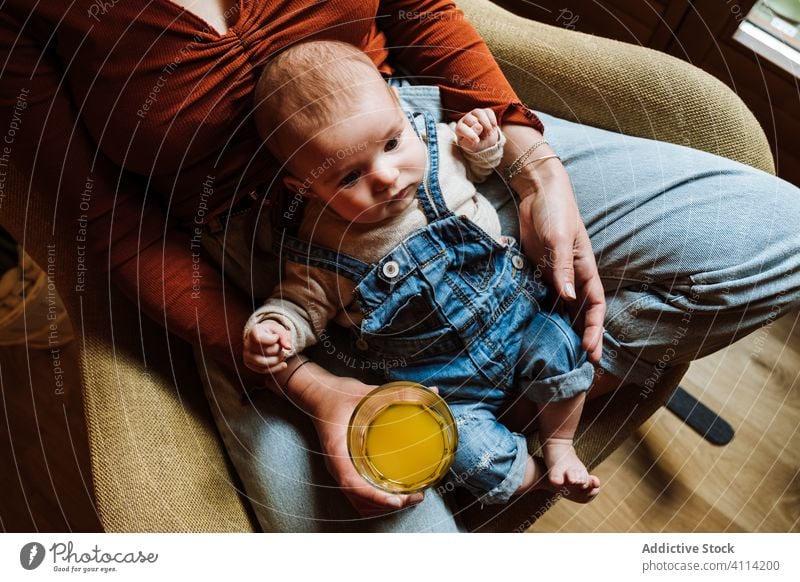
pixel 167 95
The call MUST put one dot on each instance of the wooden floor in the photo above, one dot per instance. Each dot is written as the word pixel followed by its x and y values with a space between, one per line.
pixel 668 479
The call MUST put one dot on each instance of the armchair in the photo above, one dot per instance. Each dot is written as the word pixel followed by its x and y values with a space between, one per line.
pixel 158 463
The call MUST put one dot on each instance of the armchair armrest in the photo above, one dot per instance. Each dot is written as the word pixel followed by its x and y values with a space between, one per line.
pixel 158 463
pixel 618 86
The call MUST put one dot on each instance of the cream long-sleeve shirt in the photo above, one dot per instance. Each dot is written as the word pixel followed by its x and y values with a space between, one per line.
pixel 309 297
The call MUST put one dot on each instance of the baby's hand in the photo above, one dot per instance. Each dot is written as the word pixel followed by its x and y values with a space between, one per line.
pixel 477 130
pixel 266 346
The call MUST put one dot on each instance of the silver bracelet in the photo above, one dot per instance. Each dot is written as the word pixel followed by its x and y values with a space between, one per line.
pixel 517 164
pixel 543 158
pixel 289 379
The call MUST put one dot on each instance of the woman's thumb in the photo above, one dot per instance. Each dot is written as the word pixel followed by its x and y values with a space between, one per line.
pixel 564 273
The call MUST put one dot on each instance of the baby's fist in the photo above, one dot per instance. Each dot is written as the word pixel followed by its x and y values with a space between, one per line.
pixel 477 130
pixel 266 346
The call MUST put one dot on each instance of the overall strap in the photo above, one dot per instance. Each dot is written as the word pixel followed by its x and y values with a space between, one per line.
pixel 291 248
pixel 287 216
pixel 430 194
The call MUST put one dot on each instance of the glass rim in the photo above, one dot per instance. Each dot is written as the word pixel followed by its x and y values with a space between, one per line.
pixel 447 417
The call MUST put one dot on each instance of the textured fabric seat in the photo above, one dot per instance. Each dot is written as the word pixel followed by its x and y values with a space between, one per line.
pixel 157 461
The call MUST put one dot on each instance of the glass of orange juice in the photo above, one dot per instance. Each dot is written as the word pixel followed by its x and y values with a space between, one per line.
pixel 402 437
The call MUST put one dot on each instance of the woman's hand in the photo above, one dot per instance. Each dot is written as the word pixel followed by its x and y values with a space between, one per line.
pixel 330 400
pixel 555 238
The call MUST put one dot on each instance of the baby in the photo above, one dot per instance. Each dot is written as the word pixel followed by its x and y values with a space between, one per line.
pixel 396 244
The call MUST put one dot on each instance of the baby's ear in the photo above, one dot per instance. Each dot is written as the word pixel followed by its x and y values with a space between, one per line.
pixel 297 186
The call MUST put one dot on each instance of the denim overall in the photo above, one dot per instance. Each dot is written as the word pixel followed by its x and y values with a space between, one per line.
pixel 453 308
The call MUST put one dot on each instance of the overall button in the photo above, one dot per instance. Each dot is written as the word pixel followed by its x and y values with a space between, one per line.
pixel 362 344
pixel 391 269
pixel 517 261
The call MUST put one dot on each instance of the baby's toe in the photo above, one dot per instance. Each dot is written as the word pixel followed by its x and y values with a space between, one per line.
pixel 556 478
pixel 575 476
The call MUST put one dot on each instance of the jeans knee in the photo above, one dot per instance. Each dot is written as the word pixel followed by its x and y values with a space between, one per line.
pixel 756 256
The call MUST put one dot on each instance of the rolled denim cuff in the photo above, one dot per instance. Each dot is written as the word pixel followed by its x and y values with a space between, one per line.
pixel 508 486
pixel 561 387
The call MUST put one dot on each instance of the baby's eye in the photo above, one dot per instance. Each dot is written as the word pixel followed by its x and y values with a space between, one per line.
pixel 350 179
pixel 392 144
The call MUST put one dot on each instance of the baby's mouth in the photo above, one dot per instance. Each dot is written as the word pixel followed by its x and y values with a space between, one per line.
pixel 404 192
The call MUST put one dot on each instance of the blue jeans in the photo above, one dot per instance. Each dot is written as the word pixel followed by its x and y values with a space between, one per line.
pixel 694 251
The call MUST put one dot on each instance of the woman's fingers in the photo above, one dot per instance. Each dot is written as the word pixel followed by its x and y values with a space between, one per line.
pixel 562 265
pixel 260 368
pixel 576 280
pixel 254 360
pixel 555 238
pixel 368 500
pixel 594 316
pixel 592 298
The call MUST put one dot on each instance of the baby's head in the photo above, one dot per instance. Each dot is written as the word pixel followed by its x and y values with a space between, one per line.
pixel 328 115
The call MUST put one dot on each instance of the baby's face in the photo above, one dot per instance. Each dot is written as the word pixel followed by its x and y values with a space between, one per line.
pixel 367 166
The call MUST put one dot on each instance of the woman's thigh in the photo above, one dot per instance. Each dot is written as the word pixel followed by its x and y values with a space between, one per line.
pixel 694 250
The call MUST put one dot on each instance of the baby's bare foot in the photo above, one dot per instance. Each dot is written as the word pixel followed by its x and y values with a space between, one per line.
pixel 538 478
pixel 565 470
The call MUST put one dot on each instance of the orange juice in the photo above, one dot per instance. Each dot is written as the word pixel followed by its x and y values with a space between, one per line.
pixel 406 445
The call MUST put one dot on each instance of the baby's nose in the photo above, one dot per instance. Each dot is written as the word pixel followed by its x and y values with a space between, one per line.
pixel 386 176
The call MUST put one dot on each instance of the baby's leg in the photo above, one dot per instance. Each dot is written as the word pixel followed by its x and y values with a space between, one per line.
pixel 555 374
pixel 558 421
pixel 561 470
pixel 490 461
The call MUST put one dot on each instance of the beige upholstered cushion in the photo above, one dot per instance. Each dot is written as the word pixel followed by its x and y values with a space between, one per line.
pixel 158 462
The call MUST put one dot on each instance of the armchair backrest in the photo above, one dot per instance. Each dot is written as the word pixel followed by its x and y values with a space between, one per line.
pixel 618 86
